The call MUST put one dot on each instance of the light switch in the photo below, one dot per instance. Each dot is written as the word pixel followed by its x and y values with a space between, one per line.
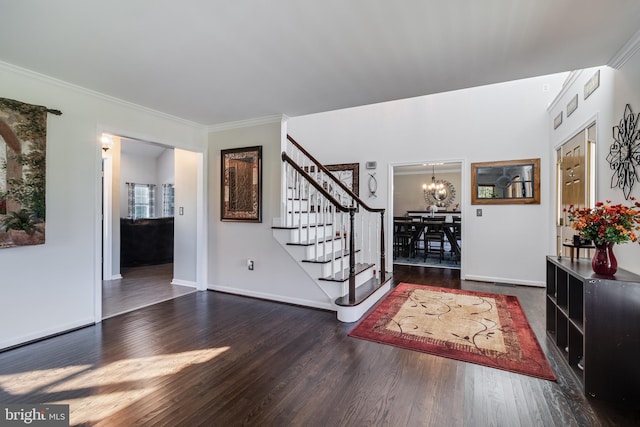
pixel 478 212
pixel 181 210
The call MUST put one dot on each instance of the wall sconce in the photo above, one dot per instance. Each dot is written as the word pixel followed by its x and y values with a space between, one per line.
pixel 107 142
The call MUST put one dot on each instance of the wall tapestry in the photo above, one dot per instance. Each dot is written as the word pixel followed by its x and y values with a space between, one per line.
pixel 624 153
pixel 23 136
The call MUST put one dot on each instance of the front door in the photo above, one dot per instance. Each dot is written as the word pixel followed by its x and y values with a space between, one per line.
pixel 575 181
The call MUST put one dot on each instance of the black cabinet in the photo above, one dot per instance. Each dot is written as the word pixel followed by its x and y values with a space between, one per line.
pixel 595 322
pixel 146 241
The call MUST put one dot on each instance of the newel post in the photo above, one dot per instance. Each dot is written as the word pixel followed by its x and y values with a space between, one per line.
pixel 352 257
pixel 383 262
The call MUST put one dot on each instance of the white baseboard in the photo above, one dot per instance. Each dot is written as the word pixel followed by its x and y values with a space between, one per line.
pixel 506 281
pixel 116 277
pixel 45 333
pixel 271 297
pixel 184 283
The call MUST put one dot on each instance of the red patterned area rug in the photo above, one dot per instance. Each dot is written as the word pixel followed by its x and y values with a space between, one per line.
pixel 477 327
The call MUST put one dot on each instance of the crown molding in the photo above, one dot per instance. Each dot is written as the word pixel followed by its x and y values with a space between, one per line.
pixel 626 52
pixel 89 92
pixel 276 118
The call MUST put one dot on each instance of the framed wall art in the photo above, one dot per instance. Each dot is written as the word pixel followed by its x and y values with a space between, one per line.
pixel 348 174
pixel 241 184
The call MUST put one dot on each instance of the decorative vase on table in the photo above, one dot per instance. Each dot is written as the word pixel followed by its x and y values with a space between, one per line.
pixel 604 261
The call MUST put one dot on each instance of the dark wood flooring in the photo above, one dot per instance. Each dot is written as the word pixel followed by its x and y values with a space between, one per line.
pixel 216 359
pixel 140 287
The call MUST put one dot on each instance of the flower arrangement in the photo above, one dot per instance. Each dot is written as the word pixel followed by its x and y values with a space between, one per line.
pixel 606 223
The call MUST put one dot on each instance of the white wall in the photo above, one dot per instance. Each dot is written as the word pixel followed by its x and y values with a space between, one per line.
pixel 54 287
pixel 496 122
pixel 276 276
pixel 166 169
pixel 606 105
pixel 185 251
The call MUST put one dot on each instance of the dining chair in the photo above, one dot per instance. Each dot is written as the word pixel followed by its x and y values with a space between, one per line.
pixel 434 238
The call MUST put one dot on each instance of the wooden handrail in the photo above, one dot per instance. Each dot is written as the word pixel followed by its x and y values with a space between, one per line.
pixel 338 182
pixel 309 178
pixel 339 206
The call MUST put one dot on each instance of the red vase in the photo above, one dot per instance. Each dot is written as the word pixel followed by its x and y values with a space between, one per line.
pixel 604 261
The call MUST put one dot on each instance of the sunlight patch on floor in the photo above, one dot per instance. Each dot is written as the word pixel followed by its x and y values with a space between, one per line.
pixel 128 380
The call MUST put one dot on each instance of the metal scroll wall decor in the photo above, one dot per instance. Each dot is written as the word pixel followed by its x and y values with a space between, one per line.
pixel 442 198
pixel 624 154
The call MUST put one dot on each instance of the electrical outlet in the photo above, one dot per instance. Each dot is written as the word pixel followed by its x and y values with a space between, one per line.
pixel 250 264
pixel 478 212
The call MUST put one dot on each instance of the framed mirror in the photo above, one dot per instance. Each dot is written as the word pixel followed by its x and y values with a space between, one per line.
pixel 505 182
pixel 241 183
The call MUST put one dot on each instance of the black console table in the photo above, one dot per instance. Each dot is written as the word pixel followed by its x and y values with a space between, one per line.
pixel 595 323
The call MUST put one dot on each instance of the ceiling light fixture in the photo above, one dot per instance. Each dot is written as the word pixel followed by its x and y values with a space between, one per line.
pixel 436 187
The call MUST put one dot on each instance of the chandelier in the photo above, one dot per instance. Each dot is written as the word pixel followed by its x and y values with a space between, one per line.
pixel 435 189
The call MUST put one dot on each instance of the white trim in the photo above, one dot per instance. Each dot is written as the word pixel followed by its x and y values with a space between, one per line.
pixel 586 124
pixel 246 123
pixel 115 277
pixel 534 283
pixel 271 297
pixel 626 52
pixel 201 222
pixel 461 194
pixel 107 217
pixel 45 333
pixel 98 230
pixel 181 282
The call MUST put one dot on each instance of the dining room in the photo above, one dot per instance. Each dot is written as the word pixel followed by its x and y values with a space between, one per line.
pixel 427 214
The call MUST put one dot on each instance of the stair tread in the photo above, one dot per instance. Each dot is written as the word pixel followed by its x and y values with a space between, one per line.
pixel 313 242
pixel 364 291
pixel 295 227
pixel 343 276
pixel 327 258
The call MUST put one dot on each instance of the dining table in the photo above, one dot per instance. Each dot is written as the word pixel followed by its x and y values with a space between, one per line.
pixel 414 229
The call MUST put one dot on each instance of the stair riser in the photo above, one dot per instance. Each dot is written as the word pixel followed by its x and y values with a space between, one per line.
pixel 305 219
pixel 316 251
pixel 309 234
pixel 297 205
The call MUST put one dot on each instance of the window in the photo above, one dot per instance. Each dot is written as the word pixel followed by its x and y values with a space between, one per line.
pixel 141 200
pixel 486 191
pixel 168 197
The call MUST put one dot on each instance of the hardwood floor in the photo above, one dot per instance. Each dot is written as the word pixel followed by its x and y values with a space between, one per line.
pixel 140 287
pixel 212 359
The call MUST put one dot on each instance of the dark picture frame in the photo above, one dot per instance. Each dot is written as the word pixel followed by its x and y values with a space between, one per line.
pixel 348 174
pixel 241 184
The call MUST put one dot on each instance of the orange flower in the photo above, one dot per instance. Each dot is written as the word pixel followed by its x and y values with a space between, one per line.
pixel 605 222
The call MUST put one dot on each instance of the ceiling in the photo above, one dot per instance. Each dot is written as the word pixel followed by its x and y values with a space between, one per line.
pixel 221 61
pixel 138 148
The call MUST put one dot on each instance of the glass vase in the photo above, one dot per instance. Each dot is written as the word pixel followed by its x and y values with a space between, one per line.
pixel 604 261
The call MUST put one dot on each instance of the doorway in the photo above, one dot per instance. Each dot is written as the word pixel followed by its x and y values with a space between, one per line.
pixel 140 197
pixel 427 214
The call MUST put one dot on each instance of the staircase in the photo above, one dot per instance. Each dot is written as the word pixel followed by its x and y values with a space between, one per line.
pixel 334 236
